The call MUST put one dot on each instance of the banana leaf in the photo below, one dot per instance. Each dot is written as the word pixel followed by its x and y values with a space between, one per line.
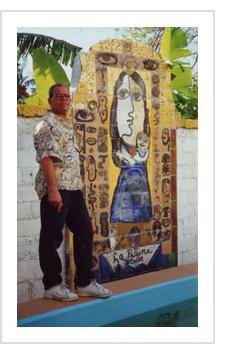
pixel 173 45
pixel 189 93
pixel 64 52
pixel 179 53
pixel 182 77
pixel 165 45
pixel 34 101
pixel 47 72
pixel 178 39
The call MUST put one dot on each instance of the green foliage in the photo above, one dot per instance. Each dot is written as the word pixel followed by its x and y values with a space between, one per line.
pixel 62 51
pixel 34 101
pixel 178 38
pixel 165 45
pixel 23 83
pixel 180 53
pixel 47 53
pixel 181 76
pixel 47 72
pixel 140 34
pixel 185 94
pixel 186 101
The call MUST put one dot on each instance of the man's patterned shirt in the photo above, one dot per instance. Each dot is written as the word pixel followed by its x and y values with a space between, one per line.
pixel 55 138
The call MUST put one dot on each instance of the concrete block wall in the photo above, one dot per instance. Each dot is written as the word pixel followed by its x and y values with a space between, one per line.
pixel 187 195
pixel 29 273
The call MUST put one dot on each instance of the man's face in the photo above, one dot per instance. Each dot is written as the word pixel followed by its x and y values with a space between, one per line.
pixel 60 101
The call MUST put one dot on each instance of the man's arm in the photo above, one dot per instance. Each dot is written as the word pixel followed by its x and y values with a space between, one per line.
pixel 54 196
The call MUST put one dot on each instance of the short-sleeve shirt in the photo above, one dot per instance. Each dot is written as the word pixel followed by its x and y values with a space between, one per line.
pixel 56 139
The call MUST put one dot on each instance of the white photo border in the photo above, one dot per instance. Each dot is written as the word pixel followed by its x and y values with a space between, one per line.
pixel 204 20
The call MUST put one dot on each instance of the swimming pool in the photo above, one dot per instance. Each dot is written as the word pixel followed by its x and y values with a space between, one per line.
pixel 183 314
pixel 126 309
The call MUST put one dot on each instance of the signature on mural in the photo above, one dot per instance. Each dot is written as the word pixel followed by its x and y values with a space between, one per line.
pixel 123 263
pixel 130 132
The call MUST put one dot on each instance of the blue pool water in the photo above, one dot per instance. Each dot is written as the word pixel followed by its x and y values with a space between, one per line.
pixel 183 314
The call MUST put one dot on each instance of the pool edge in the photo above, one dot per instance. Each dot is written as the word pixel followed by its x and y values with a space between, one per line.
pixel 99 312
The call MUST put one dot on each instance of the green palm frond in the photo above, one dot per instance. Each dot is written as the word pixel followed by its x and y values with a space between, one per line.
pixel 64 52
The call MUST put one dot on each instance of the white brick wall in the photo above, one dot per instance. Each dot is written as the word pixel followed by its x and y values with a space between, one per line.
pixel 29 273
pixel 187 195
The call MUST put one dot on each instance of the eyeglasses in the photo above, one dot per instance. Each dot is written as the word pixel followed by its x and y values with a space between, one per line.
pixel 60 97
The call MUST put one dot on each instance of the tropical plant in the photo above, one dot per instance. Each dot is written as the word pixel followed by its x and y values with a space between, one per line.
pixel 173 49
pixel 64 52
pixel 47 55
pixel 25 84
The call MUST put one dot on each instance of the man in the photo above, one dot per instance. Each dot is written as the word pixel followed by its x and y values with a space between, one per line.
pixel 59 187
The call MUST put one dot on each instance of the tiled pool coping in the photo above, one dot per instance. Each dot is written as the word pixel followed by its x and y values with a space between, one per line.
pixel 104 311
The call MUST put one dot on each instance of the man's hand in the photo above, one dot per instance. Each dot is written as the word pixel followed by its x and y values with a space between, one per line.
pixel 55 199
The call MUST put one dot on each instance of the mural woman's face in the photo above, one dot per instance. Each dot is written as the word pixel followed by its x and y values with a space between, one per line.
pixel 130 110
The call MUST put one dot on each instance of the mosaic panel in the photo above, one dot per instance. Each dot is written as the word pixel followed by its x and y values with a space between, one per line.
pixel 125 126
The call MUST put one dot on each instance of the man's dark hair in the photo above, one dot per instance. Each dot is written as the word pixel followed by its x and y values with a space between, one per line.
pixel 53 87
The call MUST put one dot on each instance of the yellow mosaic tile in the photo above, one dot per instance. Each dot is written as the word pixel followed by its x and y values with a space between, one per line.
pixel 82 87
pixel 166 247
pixel 191 123
pixel 117 46
pixel 103 46
pixel 29 111
pixel 112 75
pixel 187 123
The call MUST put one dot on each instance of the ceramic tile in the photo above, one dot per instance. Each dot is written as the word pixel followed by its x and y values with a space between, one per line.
pixel 166 247
pixel 105 155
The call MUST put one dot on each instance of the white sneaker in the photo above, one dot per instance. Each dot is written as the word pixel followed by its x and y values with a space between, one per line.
pixel 94 289
pixel 61 292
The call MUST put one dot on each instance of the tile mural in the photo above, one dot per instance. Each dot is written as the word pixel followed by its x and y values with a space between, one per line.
pixel 125 126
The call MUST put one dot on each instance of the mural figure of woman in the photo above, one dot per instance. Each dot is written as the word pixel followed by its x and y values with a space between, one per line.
pixel 130 135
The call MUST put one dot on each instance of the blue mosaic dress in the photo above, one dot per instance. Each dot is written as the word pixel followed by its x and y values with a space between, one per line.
pixel 132 199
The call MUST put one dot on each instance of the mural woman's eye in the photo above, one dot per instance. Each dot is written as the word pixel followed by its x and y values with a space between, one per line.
pixel 137 96
pixel 106 58
pixel 122 94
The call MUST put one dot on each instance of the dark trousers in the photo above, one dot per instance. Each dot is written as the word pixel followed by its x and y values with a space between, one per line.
pixel 75 215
